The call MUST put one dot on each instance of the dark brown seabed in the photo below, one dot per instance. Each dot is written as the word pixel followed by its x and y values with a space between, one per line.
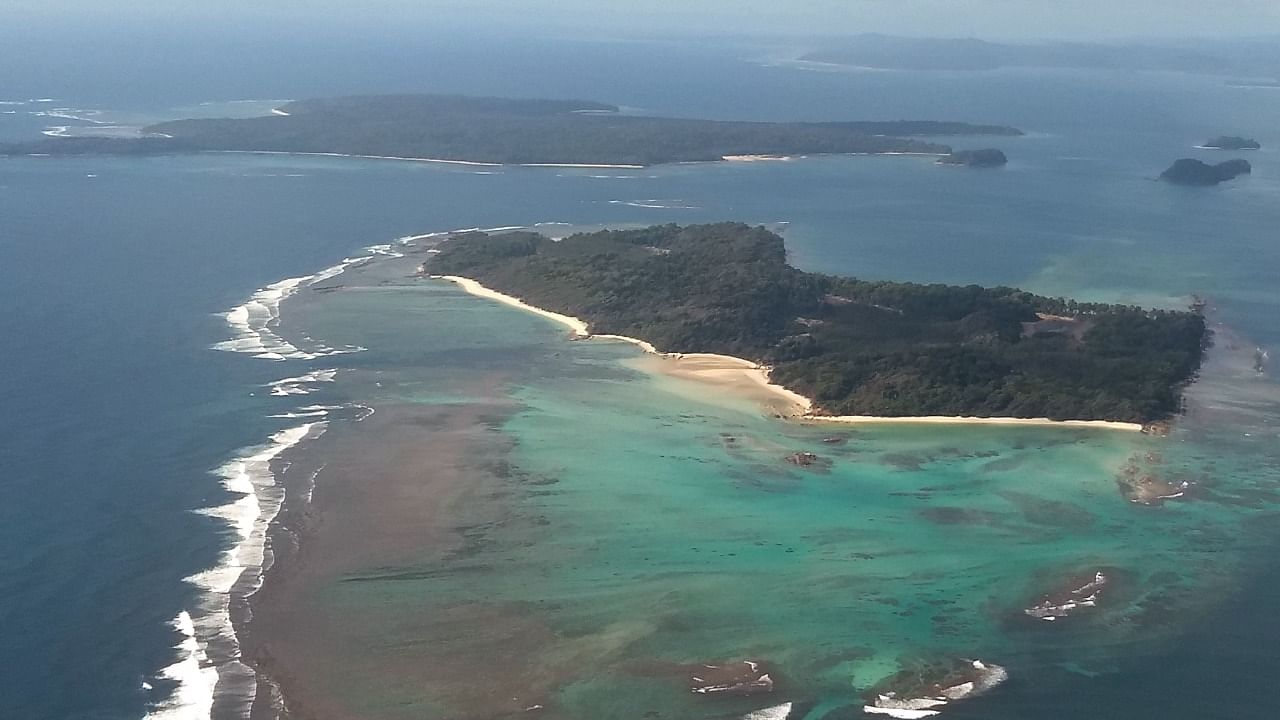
pixel 393 495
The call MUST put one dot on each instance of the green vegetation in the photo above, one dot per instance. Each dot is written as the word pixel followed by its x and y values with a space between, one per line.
pixel 856 347
pixel 495 130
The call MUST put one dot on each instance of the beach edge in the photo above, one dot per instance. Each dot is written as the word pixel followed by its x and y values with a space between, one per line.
pixel 804 406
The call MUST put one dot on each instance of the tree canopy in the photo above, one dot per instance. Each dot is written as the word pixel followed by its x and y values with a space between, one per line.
pixel 853 346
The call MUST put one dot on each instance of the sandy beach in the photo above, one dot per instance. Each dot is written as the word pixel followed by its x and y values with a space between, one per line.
pixel 735 376
pixel 361 157
pixel 602 166
pixel 722 371
pixel 578 327
pixel 751 380
pixel 757 158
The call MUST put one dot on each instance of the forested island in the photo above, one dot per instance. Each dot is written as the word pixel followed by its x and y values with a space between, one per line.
pixel 506 131
pixel 1232 142
pixel 1189 171
pixel 889 52
pixel 855 347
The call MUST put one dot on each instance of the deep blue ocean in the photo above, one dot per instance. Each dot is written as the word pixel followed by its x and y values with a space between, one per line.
pixel 115 273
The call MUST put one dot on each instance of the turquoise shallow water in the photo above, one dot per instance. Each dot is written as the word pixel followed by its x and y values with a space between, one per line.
pixel 650 525
pixel 118 271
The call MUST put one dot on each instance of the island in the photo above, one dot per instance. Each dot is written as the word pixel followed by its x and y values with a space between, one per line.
pixel 852 347
pixel 1232 142
pixel 985 158
pixel 517 132
pixel 1189 171
pixel 968 54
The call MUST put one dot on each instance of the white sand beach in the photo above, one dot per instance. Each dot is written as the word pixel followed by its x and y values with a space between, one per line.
pixel 581 165
pixel 361 157
pixel 578 327
pixel 750 380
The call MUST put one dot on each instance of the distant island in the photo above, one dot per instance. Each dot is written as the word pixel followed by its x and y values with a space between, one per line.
pixel 1232 142
pixel 1266 84
pixel 1189 171
pixel 887 52
pixel 986 158
pixel 854 347
pixel 505 131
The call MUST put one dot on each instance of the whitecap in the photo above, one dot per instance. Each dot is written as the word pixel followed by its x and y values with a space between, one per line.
pixel 899 712
pixel 300 385
pixel 210 652
pixel 253 323
pixel 659 204
pixel 192 674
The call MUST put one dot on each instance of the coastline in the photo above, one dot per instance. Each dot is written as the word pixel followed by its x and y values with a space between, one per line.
pixel 363 477
pixel 735 159
pixel 473 163
pixel 728 373
pixel 973 420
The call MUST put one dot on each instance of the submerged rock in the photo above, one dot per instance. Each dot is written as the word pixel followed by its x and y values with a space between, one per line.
pixel 809 461
pixel 803 459
pixel 924 692
pixel 748 677
pixel 1140 484
pixel 1078 593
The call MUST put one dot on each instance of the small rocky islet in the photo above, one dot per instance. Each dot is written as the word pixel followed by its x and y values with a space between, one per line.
pixel 1189 171
pixel 1232 142
pixel 1081 592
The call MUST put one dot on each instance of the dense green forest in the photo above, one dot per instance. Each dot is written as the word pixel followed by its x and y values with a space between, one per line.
pixel 856 347
pixel 508 131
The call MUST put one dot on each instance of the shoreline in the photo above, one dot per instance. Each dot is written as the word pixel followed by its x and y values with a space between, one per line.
pixel 473 163
pixel 717 370
pixel 275 655
pixel 734 159
pixel 974 420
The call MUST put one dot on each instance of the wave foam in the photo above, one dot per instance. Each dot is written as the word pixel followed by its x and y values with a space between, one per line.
pixel 253 323
pixel 658 204
pixel 195 679
pixel 210 652
pixel 300 385
pixel 982 677
pixel 89 116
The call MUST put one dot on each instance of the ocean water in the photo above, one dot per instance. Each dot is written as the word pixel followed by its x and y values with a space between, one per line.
pixel 643 526
pixel 638 539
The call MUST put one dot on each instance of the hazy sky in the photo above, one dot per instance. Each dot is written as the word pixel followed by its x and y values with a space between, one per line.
pixel 977 18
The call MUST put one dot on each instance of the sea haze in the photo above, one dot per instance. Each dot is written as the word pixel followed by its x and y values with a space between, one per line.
pixel 120 415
